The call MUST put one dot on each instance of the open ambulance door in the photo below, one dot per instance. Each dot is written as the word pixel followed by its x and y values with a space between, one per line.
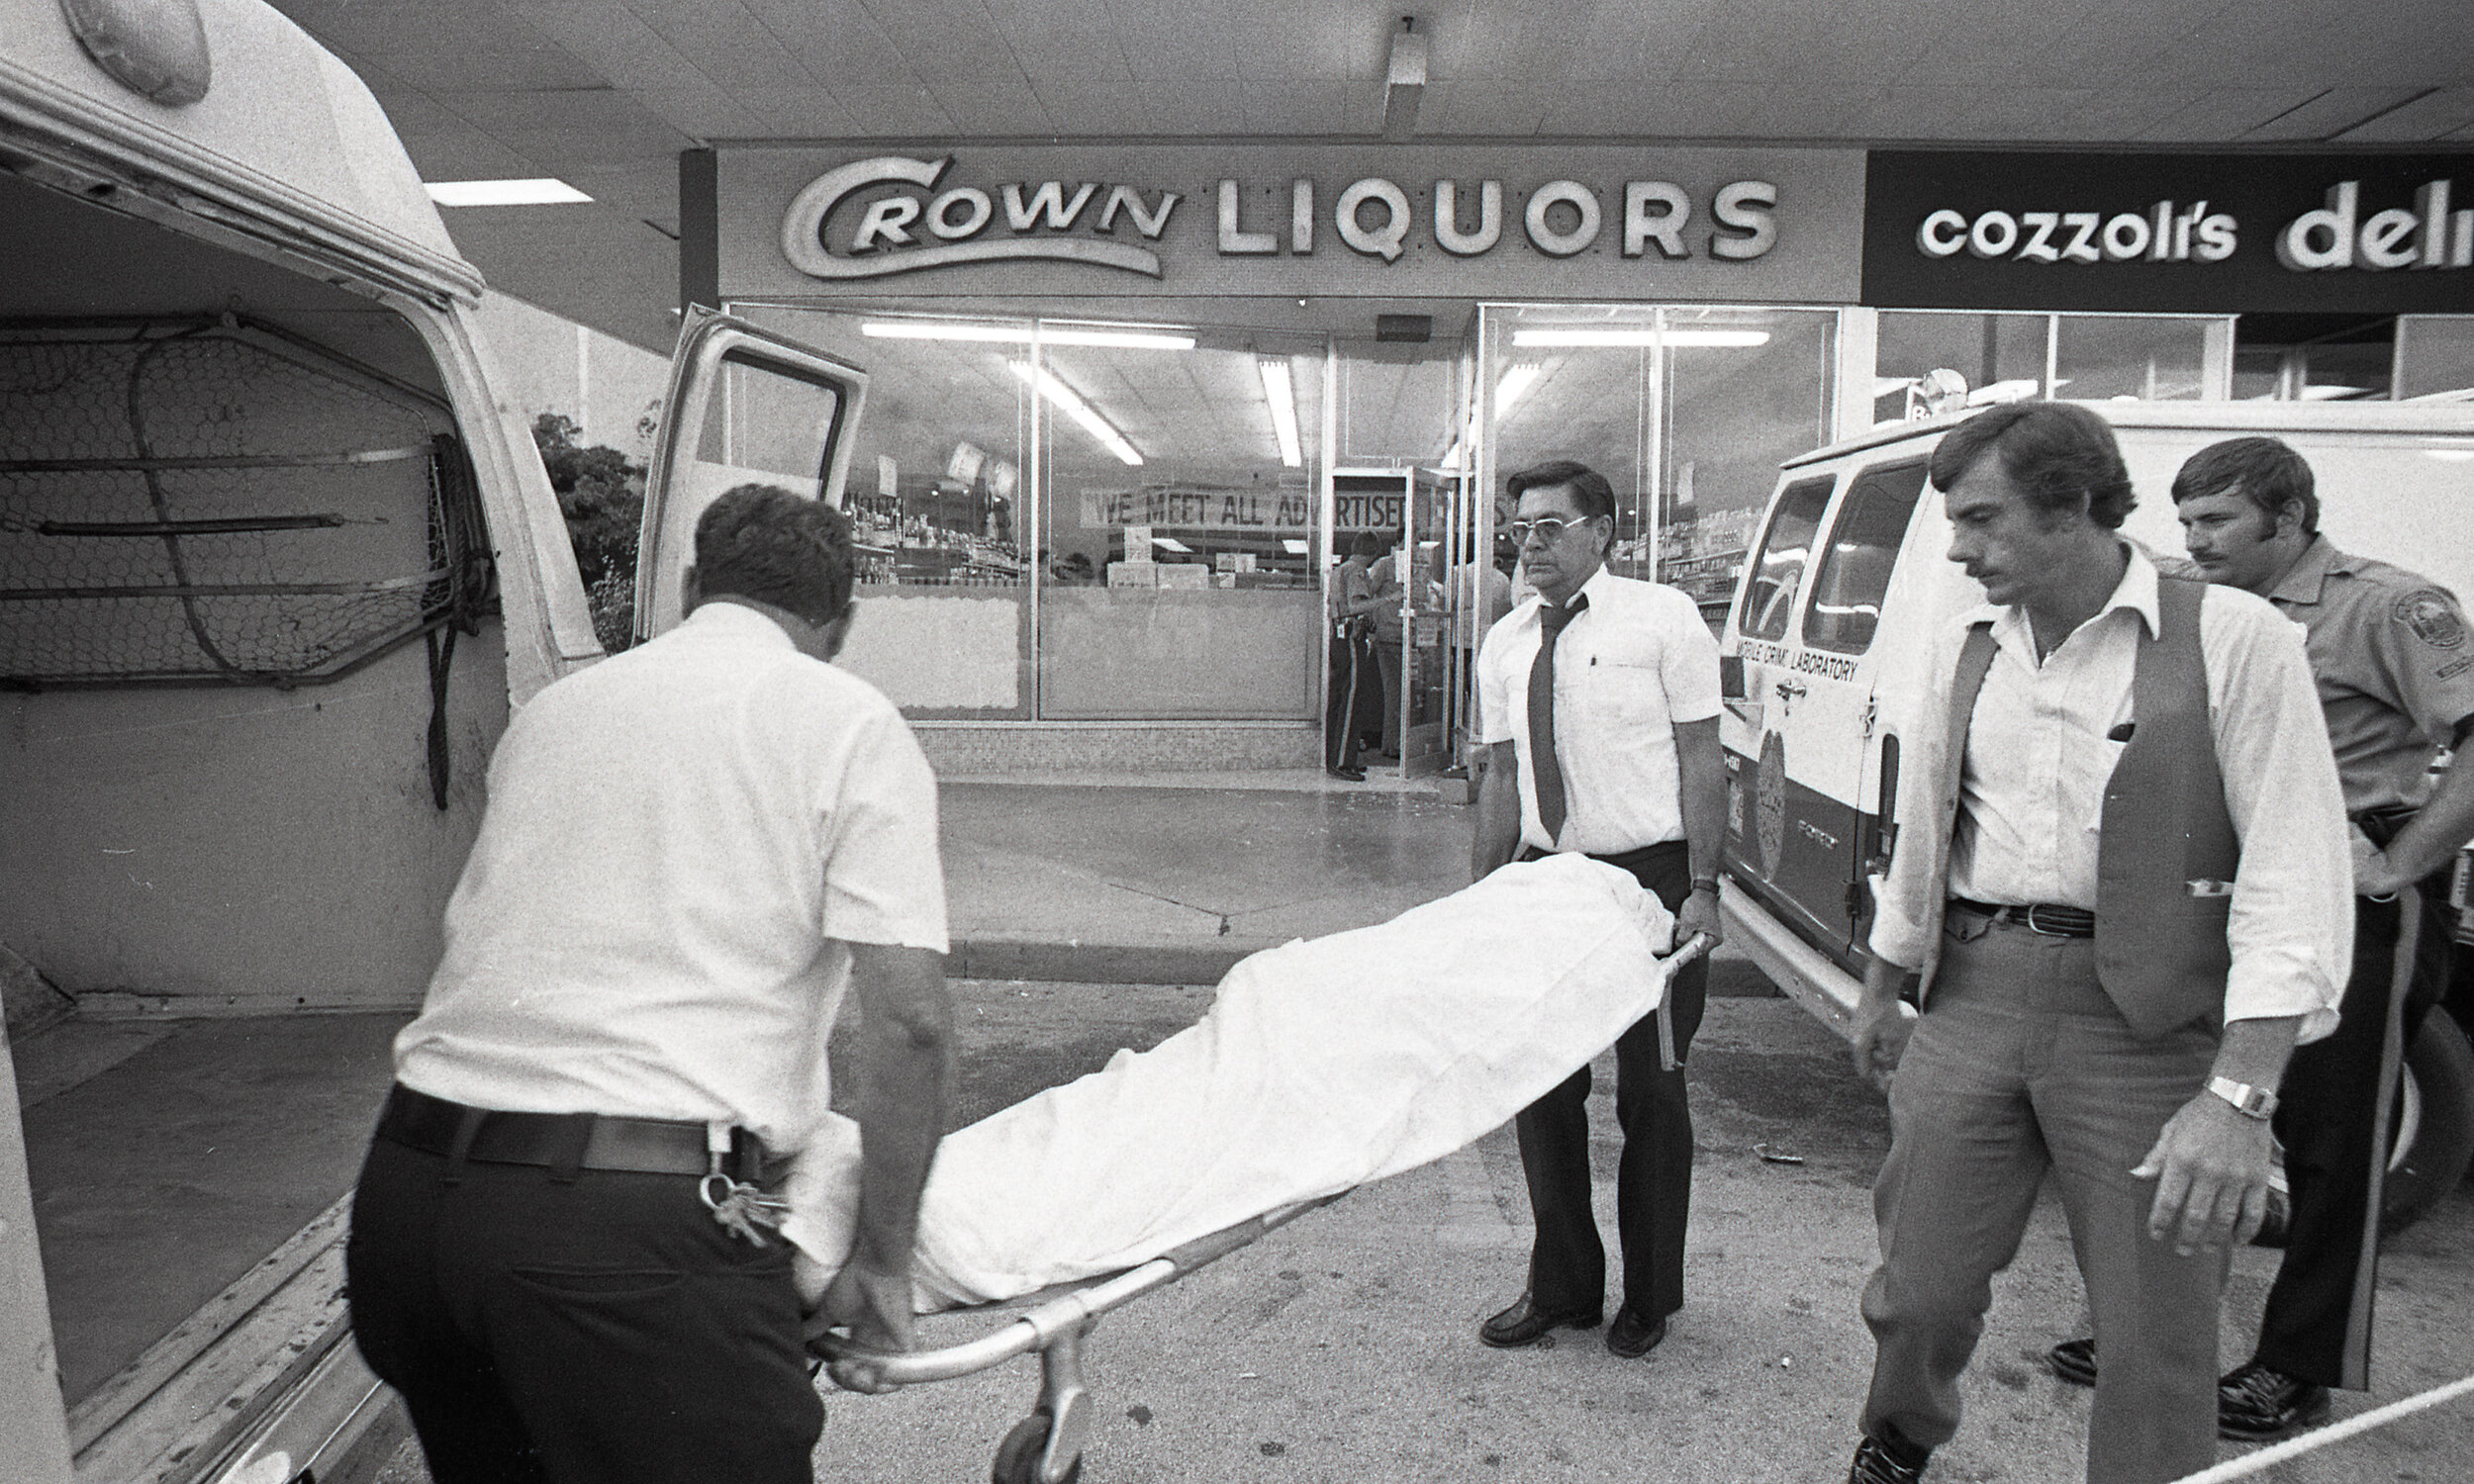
pixel 744 407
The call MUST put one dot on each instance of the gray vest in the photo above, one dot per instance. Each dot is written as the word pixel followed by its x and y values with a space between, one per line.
pixel 2166 850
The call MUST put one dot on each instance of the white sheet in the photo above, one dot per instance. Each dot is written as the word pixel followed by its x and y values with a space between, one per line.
pixel 1321 1066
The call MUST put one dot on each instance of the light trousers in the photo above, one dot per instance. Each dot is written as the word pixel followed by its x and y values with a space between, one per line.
pixel 2021 1066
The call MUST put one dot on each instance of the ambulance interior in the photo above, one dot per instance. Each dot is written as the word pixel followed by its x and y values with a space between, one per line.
pixel 236 533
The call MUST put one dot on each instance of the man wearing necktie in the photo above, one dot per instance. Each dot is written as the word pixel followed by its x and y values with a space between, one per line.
pixel 1598 719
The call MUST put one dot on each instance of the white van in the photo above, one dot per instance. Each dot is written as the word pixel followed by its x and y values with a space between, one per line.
pixel 277 558
pixel 1830 624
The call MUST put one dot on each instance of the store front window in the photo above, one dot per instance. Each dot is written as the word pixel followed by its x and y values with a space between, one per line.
pixel 1181 529
pixel 1687 410
pixel 2435 356
pixel 1930 361
pixel 937 498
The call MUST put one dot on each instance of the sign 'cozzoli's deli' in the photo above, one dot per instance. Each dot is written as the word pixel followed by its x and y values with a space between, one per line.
pixel 2170 232
pixel 1337 219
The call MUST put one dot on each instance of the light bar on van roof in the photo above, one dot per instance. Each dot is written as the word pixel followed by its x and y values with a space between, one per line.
pixel 504 193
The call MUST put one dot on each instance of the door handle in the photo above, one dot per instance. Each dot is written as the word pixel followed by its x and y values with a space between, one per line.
pixel 1789 690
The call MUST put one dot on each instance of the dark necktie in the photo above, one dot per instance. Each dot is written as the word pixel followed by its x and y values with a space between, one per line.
pixel 1549 781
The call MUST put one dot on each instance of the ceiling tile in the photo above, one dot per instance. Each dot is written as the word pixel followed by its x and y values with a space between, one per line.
pixel 1082 107
pixel 2220 115
pixel 1298 107
pixel 2430 117
pixel 470 154
pixel 1214 105
pixel 837 41
pixel 1481 108
pixel 895 111
pixel 2328 112
pixel 610 39
pixel 722 39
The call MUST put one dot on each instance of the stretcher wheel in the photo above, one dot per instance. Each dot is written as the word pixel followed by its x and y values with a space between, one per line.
pixel 1017 1457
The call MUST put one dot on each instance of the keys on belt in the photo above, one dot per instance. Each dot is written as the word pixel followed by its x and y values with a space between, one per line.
pixel 2052 919
pixel 732 1164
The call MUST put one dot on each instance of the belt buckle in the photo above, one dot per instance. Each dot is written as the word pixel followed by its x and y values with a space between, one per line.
pixel 2027 914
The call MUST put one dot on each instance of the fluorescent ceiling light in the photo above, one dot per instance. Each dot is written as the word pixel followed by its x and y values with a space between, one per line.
pixel 2331 394
pixel 1171 543
pixel 1514 382
pixel 504 193
pixel 1076 409
pixel 1601 338
pixel 1021 335
pixel 1292 546
pixel 1282 394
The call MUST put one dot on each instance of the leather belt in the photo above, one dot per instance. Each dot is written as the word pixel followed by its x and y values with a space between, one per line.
pixel 563 1140
pixel 2050 918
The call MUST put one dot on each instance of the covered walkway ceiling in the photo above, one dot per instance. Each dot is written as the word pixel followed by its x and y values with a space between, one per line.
pixel 605 93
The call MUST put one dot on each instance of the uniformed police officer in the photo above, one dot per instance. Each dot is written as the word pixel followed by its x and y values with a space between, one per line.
pixel 2395 681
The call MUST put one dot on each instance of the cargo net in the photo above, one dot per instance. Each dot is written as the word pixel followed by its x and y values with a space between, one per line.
pixel 220 501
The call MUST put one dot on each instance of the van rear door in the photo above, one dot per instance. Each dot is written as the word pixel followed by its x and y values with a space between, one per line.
pixel 744 407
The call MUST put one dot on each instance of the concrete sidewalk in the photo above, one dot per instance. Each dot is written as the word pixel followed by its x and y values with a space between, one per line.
pixel 1170 878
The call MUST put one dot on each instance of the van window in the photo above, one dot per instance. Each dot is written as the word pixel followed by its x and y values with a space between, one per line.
pixel 1855 566
pixel 1785 548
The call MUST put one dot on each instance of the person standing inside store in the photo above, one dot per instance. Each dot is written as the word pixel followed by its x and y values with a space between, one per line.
pixel 1480 595
pixel 2396 683
pixel 1388 578
pixel 1349 681
pixel 1598 719
pixel 2121 870
pixel 563 1251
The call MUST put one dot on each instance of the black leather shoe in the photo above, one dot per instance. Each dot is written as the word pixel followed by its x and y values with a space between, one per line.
pixel 1352 775
pixel 2254 1404
pixel 1630 1337
pixel 1525 1324
pixel 2074 1362
pixel 1875 1463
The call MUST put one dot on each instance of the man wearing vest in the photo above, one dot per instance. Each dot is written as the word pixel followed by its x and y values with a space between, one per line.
pixel 2122 876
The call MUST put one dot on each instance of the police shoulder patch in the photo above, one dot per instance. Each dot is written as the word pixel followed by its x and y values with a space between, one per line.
pixel 2432 618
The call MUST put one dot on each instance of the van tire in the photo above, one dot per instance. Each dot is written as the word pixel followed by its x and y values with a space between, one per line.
pixel 2423 1173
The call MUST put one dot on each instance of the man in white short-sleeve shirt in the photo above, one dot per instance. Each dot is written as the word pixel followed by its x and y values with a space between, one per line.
pixel 562 1252
pixel 1599 711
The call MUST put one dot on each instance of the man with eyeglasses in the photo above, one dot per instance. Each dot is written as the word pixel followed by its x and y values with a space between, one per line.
pixel 1599 724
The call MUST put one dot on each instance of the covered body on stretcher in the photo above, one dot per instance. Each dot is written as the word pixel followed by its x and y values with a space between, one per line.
pixel 1321 1065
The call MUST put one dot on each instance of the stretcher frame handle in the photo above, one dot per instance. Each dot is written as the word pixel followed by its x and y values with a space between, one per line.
pixel 1671 966
pixel 1071 1312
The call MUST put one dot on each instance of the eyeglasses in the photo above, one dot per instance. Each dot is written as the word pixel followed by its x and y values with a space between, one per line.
pixel 1547 528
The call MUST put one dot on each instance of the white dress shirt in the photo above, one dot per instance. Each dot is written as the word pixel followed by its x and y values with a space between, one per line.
pixel 680 844
pixel 1627 668
pixel 2032 790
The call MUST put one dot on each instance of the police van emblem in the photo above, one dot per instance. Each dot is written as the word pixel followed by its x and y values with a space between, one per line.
pixel 2432 618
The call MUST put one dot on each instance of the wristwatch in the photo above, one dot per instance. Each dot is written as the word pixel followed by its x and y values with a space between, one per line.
pixel 2248 1101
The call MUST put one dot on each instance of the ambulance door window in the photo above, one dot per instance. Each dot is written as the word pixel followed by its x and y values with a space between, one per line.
pixel 1785 549
pixel 1855 569
pixel 744 407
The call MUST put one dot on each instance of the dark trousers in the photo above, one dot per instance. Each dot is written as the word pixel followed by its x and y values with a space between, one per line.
pixel 1653 1176
pixel 2317 1325
pixel 1349 698
pixel 601 1329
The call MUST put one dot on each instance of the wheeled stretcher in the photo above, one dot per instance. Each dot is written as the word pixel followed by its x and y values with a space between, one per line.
pixel 1045 1447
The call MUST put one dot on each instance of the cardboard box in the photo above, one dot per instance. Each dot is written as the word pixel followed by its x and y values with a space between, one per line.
pixel 1132 575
